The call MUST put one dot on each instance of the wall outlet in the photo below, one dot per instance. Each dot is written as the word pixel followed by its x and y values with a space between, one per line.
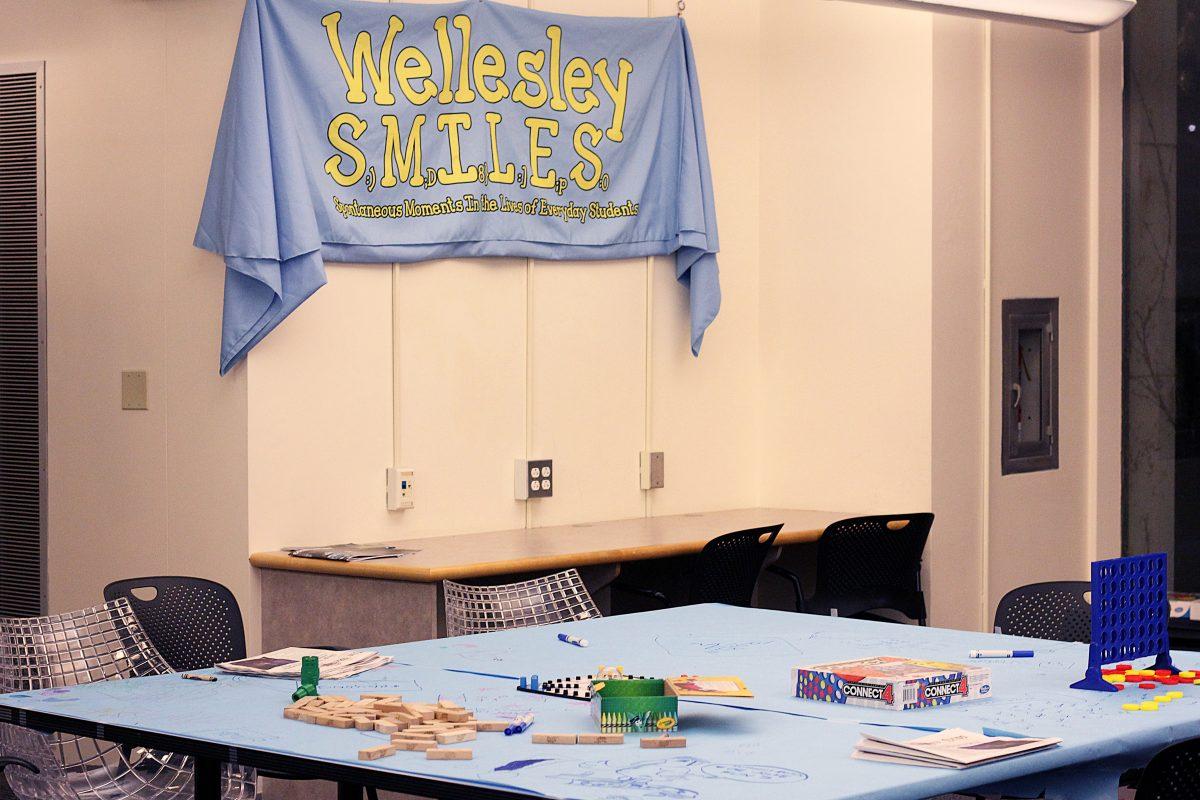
pixel 400 489
pixel 653 469
pixel 533 478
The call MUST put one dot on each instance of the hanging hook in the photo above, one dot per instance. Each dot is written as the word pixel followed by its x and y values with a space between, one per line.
pixel 681 5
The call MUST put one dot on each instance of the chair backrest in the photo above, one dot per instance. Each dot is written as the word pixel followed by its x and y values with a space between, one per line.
pixel 1057 610
pixel 195 623
pixel 1173 774
pixel 727 569
pixel 560 597
pixel 869 563
pixel 104 643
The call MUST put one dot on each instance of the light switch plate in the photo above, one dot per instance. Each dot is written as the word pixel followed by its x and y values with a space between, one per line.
pixel 401 489
pixel 533 478
pixel 134 390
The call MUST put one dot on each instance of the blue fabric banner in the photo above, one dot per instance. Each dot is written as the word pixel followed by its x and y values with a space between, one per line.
pixel 387 132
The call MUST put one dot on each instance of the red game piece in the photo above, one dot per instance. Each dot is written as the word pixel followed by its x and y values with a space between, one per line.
pixel 1147 685
pixel 1170 680
pixel 1124 667
pixel 1161 673
pixel 1120 687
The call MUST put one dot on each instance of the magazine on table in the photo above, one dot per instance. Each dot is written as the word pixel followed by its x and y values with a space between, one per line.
pixel 954 748
pixel 350 552
pixel 285 663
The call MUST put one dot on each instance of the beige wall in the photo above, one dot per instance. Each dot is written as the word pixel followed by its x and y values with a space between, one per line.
pixel 131 115
pixel 850 159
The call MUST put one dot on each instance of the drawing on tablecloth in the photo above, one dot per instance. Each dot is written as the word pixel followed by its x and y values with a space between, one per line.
pixel 677 778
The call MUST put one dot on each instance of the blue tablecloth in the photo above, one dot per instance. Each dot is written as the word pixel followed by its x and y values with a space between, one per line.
pixel 785 747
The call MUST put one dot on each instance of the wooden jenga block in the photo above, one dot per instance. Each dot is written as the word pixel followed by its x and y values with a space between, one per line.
pixel 454 737
pixel 436 754
pixel 555 738
pixel 601 738
pixel 340 722
pixel 491 725
pixel 364 724
pixel 291 713
pixel 384 726
pixel 306 701
pixel 388 706
pixel 413 744
pixel 449 705
pixel 657 742
pixel 389 696
pixel 379 751
pixel 333 698
pixel 457 716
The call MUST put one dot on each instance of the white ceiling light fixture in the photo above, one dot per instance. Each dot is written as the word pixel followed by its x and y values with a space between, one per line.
pixel 1077 16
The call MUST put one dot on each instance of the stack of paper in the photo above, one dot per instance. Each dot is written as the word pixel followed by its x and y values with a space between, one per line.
pixel 350 552
pixel 334 664
pixel 953 748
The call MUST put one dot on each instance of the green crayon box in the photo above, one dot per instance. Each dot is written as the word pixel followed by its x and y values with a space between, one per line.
pixel 634 705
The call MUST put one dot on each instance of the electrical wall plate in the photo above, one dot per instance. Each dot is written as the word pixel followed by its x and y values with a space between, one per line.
pixel 134 390
pixel 533 478
pixel 400 489
pixel 653 469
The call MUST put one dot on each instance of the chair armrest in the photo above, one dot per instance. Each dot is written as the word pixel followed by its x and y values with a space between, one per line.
pixel 13 761
pixel 642 591
pixel 793 579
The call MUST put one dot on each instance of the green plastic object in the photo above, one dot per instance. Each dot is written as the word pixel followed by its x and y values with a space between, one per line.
pixel 634 705
pixel 310 674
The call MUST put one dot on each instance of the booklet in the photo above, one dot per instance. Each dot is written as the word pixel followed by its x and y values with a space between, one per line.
pixel 954 748
pixel 285 663
pixel 350 552
pixel 707 686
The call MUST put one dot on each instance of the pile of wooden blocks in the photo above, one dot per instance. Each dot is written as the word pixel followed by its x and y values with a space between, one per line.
pixel 412 726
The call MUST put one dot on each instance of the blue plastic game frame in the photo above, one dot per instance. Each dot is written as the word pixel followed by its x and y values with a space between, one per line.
pixel 1130 613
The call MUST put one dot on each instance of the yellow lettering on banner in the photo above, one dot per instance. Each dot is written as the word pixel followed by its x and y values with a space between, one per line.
pixel 333 163
pixel 412 65
pixel 464 93
pixel 588 155
pixel 498 175
pixel 538 151
pixel 489 63
pixel 554 34
pixel 529 65
pixel 407 161
pixel 579 76
pixel 443 40
pixel 381 75
pixel 619 92
pixel 452 123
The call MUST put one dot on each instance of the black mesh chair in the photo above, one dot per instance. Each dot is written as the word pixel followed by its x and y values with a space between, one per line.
pixel 1057 610
pixel 1173 774
pixel 867 564
pixel 726 570
pixel 195 623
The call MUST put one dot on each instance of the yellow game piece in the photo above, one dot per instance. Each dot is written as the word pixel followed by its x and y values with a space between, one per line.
pixel 1131 707
pixel 1115 678
pixel 1149 706
pixel 1187 674
pixel 1174 695
pixel 1162 698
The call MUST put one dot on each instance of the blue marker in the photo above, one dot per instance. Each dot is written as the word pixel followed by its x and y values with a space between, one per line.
pixel 575 640
pixel 534 683
pixel 1001 654
pixel 519 724
pixel 524 682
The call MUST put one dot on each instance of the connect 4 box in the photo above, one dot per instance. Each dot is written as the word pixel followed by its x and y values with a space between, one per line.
pixel 893 683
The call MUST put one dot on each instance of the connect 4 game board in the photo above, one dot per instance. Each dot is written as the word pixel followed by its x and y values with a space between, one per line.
pixel 1130 612
pixel 893 683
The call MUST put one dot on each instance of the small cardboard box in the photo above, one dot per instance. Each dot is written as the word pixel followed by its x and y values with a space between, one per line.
pixel 898 684
pixel 634 705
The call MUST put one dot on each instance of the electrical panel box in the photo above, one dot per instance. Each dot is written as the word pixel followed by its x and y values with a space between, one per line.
pixel 653 469
pixel 134 390
pixel 1029 397
pixel 533 478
